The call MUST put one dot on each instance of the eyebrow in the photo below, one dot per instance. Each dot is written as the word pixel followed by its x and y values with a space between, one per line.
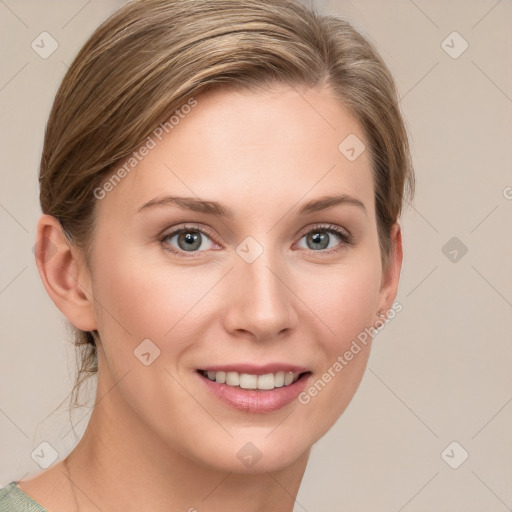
pixel 215 208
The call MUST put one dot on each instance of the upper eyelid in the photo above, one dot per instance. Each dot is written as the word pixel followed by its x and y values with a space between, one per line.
pixel 186 227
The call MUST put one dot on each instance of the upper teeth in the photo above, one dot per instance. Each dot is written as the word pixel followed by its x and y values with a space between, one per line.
pixel 249 381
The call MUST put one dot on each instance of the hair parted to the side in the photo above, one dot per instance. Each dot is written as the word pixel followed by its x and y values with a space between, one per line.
pixel 151 56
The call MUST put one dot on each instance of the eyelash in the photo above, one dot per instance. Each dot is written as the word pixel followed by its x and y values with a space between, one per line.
pixel 344 237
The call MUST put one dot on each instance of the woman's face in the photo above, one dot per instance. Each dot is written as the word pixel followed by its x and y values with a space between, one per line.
pixel 265 288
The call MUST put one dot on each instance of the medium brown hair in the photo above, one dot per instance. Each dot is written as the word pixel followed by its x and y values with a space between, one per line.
pixel 151 56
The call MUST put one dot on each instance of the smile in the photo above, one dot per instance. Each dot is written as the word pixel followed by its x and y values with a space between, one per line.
pixel 267 381
pixel 255 389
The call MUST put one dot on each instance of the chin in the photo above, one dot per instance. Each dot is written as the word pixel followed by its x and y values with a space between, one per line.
pixel 253 451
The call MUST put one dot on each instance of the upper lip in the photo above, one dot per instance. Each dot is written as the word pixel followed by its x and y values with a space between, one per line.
pixel 256 369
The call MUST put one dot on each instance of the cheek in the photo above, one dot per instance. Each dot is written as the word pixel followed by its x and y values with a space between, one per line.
pixel 346 305
pixel 139 299
pixel 346 299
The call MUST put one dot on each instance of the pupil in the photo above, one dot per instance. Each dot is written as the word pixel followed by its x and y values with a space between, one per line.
pixel 190 240
pixel 320 240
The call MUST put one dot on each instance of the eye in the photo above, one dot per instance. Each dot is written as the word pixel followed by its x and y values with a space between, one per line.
pixel 323 239
pixel 194 240
pixel 187 239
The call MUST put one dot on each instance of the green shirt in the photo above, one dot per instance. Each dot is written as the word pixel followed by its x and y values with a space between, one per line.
pixel 13 499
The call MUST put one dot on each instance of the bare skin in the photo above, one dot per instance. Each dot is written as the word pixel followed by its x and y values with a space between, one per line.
pixel 158 439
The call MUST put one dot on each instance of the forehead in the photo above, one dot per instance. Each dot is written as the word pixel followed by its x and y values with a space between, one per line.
pixel 251 150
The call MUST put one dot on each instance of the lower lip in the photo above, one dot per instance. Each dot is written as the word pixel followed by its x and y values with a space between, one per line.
pixel 256 400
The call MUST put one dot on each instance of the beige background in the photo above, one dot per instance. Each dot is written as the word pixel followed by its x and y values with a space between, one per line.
pixel 438 373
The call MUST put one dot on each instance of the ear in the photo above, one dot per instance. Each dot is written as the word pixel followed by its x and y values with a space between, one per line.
pixel 391 274
pixel 64 273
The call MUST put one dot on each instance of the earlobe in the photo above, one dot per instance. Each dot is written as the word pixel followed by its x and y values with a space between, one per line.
pixel 391 275
pixel 64 273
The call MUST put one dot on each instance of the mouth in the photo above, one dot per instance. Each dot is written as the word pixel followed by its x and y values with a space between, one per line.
pixel 255 389
pixel 263 382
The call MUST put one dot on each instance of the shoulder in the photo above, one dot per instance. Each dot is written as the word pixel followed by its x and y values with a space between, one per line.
pixel 47 491
pixel 13 499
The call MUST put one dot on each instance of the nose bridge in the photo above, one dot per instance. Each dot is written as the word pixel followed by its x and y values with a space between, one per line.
pixel 261 303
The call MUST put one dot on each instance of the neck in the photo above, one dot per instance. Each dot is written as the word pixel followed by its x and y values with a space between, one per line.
pixel 119 464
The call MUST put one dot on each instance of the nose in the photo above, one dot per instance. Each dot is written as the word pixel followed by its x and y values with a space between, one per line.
pixel 258 299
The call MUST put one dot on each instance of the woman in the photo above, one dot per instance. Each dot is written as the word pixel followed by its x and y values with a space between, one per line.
pixel 221 184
